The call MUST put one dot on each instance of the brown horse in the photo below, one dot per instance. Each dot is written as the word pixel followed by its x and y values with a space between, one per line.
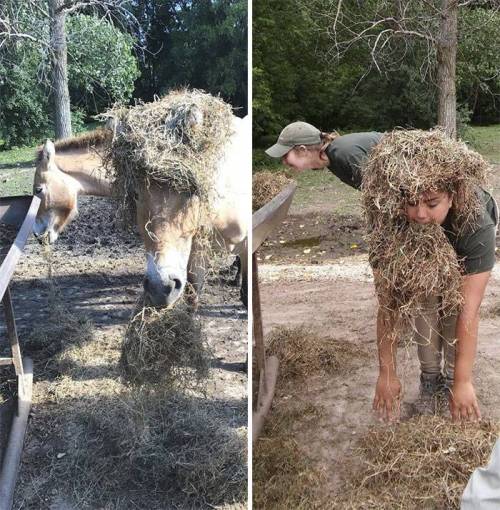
pixel 168 221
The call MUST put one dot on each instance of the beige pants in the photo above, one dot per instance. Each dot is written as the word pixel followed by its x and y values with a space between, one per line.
pixel 436 340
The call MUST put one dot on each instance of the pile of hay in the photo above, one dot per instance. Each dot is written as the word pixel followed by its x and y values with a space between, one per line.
pixel 412 262
pixel 303 353
pixel 265 186
pixel 141 449
pixel 284 476
pixel 176 140
pixel 425 462
pixel 166 347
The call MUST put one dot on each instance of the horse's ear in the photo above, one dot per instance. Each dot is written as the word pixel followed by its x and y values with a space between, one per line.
pixel 48 151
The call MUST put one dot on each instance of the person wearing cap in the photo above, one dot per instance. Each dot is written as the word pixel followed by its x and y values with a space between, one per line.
pixel 302 146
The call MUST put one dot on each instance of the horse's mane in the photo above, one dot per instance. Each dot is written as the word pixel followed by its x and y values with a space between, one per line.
pixel 86 140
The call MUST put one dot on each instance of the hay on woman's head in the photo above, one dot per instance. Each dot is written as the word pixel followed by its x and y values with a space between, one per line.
pixel 407 164
pixel 414 262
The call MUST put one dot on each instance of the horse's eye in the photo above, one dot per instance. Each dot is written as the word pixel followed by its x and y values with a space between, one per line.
pixel 38 189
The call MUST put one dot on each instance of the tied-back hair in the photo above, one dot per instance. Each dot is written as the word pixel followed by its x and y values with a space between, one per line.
pixel 326 140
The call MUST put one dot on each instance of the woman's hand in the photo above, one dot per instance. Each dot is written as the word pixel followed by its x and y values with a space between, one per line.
pixel 463 402
pixel 387 397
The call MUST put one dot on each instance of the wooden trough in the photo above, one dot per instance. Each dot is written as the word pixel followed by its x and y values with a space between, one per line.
pixel 264 221
pixel 19 212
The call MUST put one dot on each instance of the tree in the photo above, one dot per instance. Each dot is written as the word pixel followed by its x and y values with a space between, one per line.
pixel 21 19
pixel 386 26
pixel 59 58
pixel 199 44
pixel 101 68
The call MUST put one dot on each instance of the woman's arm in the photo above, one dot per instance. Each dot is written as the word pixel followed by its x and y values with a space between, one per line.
pixel 463 402
pixel 388 388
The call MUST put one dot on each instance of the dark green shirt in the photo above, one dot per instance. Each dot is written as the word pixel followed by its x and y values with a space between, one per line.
pixel 476 247
pixel 347 154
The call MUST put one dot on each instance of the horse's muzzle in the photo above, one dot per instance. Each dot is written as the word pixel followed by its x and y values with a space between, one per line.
pixel 162 293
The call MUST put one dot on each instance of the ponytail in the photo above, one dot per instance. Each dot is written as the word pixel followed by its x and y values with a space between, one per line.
pixel 327 139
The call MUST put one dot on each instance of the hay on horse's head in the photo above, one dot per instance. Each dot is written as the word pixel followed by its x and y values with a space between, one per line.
pixel 415 262
pixel 177 140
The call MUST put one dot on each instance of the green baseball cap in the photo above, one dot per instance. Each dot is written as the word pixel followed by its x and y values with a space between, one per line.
pixel 296 133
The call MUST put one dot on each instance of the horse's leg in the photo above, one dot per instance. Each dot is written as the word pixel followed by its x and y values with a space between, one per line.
pixel 236 282
pixel 244 278
pixel 196 274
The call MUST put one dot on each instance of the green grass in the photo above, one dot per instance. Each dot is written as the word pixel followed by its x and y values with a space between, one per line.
pixel 486 140
pixel 16 171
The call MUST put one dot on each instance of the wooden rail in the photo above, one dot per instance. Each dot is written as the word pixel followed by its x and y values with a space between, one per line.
pixel 19 212
pixel 264 221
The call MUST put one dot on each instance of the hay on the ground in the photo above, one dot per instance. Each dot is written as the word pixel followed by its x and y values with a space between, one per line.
pixel 425 462
pixel 303 353
pixel 166 347
pixel 142 449
pixel 63 327
pixel 413 262
pixel 283 475
pixel 176 140
pixel 265 186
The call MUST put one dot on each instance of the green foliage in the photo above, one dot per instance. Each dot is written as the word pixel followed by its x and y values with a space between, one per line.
pixel 200 44
pixel 101 66
pixel 101 69
pixel 296 77
pixel 478 64
pixel 24 104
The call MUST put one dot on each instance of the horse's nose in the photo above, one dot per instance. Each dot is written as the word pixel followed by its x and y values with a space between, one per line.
pixel 164 292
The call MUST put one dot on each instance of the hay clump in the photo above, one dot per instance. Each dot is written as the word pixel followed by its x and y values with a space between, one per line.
pixel 176 140
pixel 302 352
pixel 407 163
pixel 265 186
pixel 414 262
pixel 424 463
pixel 166 347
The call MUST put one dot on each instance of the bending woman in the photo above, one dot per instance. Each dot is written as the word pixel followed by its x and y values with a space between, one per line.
pixel 446 344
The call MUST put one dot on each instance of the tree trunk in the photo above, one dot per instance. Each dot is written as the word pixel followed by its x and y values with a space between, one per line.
pixel 62 112
pixel 446 71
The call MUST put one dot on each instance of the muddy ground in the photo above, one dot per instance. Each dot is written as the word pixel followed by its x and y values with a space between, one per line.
pixel 97 274
pixel 314 271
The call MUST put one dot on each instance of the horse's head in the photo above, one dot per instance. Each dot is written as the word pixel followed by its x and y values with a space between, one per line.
pixel 59 201
pixel 168 222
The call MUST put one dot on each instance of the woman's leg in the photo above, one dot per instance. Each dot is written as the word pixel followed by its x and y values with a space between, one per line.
pixel 429 341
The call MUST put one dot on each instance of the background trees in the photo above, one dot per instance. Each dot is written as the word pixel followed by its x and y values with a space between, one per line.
pixel 305 73
pixel 117 50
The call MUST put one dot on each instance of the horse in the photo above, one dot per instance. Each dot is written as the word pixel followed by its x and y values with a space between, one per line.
pixel 168 221
pixel 60 177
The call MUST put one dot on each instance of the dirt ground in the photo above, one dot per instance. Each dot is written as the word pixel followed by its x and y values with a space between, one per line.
pixel 314 271
pixel 98 274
